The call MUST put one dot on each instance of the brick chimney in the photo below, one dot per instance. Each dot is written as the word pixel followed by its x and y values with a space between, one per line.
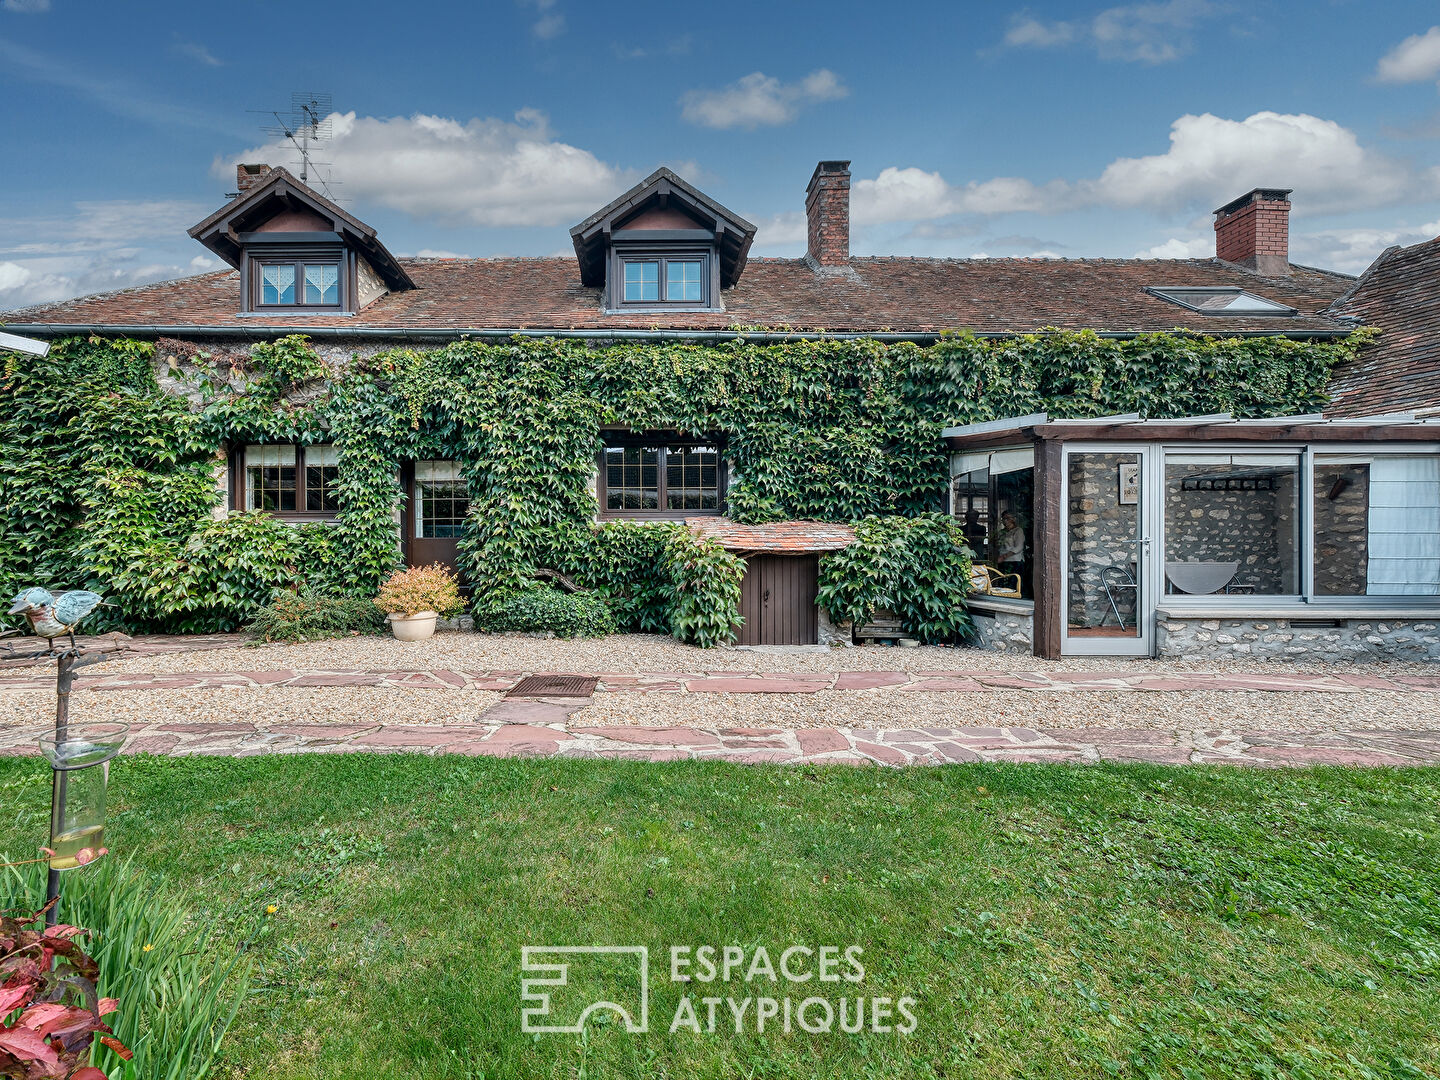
pixel 247 176
pixel 827 212
pixel 1254 231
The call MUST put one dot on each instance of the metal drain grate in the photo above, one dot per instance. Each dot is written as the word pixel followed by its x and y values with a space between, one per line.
pixel 554 686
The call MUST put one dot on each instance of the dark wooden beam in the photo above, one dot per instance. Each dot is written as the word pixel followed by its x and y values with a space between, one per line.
pixel 1049 549
pixel 1239 432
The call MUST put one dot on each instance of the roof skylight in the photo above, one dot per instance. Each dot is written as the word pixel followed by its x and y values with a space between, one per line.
pixel 1221 301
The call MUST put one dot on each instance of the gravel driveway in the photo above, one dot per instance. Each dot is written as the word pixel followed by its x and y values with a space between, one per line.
pixel 653 652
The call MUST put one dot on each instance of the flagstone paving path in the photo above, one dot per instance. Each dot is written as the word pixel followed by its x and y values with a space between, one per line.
pixel 544 729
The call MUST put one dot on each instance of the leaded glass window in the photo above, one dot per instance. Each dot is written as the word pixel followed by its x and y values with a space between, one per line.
pixel 632 478
pixel 663 480
pixel 442 498
pixel 692 478
pixel 322 473
pixel 270 480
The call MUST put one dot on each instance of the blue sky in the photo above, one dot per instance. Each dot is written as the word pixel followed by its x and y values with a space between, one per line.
pixel 489 128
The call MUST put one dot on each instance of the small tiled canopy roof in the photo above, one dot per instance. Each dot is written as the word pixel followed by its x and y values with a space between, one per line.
pixel 1399 294
pixel 873 295
pixel 776 538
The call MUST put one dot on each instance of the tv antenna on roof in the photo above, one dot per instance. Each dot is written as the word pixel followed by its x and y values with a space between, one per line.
pixel 305 127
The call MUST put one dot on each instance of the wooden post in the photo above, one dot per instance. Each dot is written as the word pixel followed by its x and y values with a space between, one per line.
pixel 1049 549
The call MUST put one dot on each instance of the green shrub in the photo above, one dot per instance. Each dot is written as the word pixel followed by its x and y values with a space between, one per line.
pixel 310 615
pixel 178 989
pixel 542 609
pixel 917 568
pixel 705 581
pixel 624 561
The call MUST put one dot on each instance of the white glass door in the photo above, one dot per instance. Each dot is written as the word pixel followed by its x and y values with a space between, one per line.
pixel 1108 571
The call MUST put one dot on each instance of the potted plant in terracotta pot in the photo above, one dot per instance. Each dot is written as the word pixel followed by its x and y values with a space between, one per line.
pixel 413 599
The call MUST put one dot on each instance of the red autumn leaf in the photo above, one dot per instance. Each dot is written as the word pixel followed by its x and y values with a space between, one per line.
pixel 62 1020
pixel 12 996
pixel 107 1005
pixel 116 1045
pixel 26 1045
pixel 89 1072
pixel 41 1013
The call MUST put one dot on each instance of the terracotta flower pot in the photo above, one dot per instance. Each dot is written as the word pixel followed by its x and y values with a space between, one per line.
pixel 412 627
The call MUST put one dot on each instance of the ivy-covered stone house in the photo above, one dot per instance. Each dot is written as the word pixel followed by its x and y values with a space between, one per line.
pixel 519 417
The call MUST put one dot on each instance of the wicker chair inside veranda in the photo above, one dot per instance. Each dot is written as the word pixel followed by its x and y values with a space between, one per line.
pixel 1116 580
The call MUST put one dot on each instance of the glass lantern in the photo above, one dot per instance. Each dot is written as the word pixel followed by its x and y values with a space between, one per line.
pixel 80 755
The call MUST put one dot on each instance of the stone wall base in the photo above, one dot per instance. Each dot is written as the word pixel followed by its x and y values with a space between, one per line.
pixel 1292 639
pixel 829 633
pixel 1003 631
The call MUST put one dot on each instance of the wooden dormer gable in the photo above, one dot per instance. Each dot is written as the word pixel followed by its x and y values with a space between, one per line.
pixel 663 212
pixel 280 217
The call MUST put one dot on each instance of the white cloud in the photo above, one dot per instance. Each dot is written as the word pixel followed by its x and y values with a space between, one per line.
pixel 1210 160
pixel 1213 159
pixel 439 253
pixel 550 24
pixel 781 231
pixel 759 100
pixel 1152 33
pixel 476 172
pixel 1415 59
pixel 1200 247
pixel 27 7
pixel 195 51
pixel 1352 250
pixel 96 247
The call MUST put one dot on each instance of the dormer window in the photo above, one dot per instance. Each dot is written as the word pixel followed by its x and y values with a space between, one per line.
pixel 297 252
pixel 662 246
pixel 669 280
pixel 298 283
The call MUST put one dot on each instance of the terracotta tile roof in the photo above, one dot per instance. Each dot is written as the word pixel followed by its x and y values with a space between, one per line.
pixel 1399 294
pixel 873 294
pixel 775 538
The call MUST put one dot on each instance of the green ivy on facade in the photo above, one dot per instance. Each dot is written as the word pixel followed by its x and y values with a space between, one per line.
pixel 109 482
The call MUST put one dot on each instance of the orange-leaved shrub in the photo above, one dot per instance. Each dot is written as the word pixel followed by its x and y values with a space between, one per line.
pixel 421 588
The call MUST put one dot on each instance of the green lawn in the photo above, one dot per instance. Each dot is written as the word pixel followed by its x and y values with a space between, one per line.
pixel 1048 920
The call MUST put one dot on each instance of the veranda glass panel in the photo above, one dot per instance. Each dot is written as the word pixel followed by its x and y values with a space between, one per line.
pixel 322 283
pixel 1377 525
pixel 270 478
pixel 1102 549
pixel 322 473
pixel 277 284
pixel 1232 524
pixel 442 500
pixel 692 478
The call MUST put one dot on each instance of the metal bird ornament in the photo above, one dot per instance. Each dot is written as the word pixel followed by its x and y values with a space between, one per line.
pixel 50 616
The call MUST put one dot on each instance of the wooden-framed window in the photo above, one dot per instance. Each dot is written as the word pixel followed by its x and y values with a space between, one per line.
pixel 442 498
pixel 289 480
pixel 300 282
pixel 651 278
pixel 642 477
